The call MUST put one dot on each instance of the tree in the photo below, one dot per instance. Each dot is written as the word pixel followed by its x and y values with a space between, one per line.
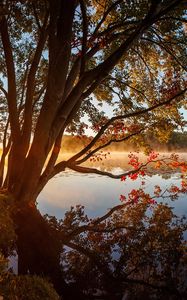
pixel 56 54
pixel 60 58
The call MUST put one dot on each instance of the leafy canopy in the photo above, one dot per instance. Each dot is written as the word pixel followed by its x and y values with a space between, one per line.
pixel 62 61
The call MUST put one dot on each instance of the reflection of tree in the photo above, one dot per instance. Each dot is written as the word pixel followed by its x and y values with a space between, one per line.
pixel 130 250
pixel 127 250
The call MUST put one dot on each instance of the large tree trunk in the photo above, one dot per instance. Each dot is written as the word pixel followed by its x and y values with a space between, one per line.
pixel 39 249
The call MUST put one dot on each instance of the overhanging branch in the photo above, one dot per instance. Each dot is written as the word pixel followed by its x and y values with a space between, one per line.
pixel 109 143
pixel 120 117
pixel 87 170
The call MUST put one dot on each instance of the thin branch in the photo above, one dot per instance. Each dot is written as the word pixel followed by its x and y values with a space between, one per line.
pixel 36 17
pixel 126 116
pixel 128 85
pixel 11 97
pixel 5 134
pixel 152 17
pixel 182 20
pixel 4 92
pixel 93 256
pixel 5 150
pixel 167 49
pixel 73 74
pixel 126 138
pixel 23 88
pixel 171 6
pixel 85 34
pixel 104 268
pixel 152 285
pixel 145 63
pixel 106 32
pixel 39 94
pixel 105 16
pixel 91 226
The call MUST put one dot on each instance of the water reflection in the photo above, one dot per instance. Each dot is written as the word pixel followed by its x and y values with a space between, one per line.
pixel 131 252
pixel 98 193
pixel 127 253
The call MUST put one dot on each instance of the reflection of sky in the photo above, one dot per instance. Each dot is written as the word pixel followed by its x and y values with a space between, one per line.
pixel 97 193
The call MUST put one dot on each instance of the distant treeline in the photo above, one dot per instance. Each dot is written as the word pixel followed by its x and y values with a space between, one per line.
pixel 177 142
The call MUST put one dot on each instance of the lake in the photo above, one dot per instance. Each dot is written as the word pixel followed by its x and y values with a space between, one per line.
pixel 99 193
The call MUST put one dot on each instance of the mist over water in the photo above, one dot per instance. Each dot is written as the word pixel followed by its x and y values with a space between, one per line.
pixel 99 193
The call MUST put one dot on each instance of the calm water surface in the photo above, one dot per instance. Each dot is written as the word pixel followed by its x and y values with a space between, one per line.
pixel 99 193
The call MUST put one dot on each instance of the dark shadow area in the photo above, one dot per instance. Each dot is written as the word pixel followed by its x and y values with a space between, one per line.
pixel 39 250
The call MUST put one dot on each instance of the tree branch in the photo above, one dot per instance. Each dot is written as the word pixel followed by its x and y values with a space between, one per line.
pixel 4 92
pixel 93 256
pixel 87 170
pixel 126 138
pixel 128 85
pixel 126 116
pixel 11 96
pixel 27 125
pixel 85 34
pixel 36 16
pixel 105 16
pixel 98 221
pixel 101 71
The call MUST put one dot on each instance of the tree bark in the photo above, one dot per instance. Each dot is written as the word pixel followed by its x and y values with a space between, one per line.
pixel 39 250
